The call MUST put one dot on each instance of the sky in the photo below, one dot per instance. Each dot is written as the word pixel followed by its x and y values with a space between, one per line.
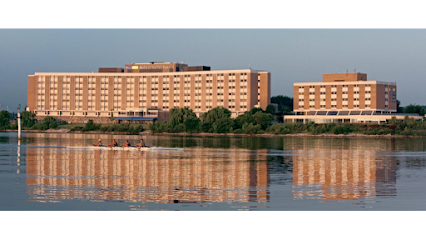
pixel 290 55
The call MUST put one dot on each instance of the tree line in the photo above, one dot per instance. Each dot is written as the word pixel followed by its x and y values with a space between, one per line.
pixel 421 110
pixel 216 120
pixel 28 121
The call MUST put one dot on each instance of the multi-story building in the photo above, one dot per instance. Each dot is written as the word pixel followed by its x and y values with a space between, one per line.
pixel 345 92
pixel 344 97
pixel 145 91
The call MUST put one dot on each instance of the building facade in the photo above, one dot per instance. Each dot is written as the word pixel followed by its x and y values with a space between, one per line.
pixel 145 91
pixel 344 97
pixel 344 92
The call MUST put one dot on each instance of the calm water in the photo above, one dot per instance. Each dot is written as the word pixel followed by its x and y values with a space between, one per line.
pixel 213 173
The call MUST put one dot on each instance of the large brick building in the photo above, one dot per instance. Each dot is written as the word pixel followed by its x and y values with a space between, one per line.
pixel 344 97
pixel 344 92
pixel 145 91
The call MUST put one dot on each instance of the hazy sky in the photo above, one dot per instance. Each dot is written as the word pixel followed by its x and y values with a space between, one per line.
pixel 291 55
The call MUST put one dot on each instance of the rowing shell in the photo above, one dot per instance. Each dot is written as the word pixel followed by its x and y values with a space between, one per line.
pixel 141 149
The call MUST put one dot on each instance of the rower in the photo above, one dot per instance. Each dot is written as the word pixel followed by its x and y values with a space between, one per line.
pixel 126 144
pixel 113 144
pixel 141 144
pixel 99 143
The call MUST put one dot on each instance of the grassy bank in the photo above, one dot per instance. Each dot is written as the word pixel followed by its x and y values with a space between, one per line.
pixel 401 128
pixel 331 129
pixel 278 129
pixel 52 126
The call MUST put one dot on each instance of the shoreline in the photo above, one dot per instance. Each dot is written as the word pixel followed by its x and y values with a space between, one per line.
pixel 350 135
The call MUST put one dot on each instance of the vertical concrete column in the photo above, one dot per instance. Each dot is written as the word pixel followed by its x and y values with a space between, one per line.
pixel 295 98
pixel 148 92
pixel 111 93
pixel 214 91
pixel 72 93
pixel 32 93
pixel 237 92
pixel 59 97
pixel 339 96
pixel 123 93
pixel 47 93
pixel 98 94
pixel 361 96
pixel 136 93
pixel 192 106
pixel 226 90
pixel 85 92
pixel 181 90
pixel 203 92
pixel 350 96
pixel 327 96
pixel 160 93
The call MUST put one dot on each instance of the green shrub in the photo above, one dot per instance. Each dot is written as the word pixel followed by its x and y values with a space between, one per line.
pixel 39 126
pixel 280 128
pixel 139 128
pixel 250 128
pixel 238 131
pixel 91 126
pixel 28 119
pixel 4 119
pixel 342 129
pixel 47 123
pixel 179 128
pixel 50 122
pixel 158 127
pixel 76 128
pixel 206 127
pixel 192 125
pixel 223 125
pixel 104 128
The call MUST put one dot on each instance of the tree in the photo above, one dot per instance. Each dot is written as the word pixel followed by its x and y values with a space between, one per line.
pixel 399 109
pixel 285 110
pixel 48 122
pixel 223 125
pixel 91 126
pixel 285 106
pixel 178 115
pixel 160 126
pixel 206 127
pixel 247 117
pixel 263 119
pixel 4 118
pixel 192 125
pixel 214 114
pixel 255 110
pixel 414 109
pixel 283 101
pixel 250 128
pixel 256 117
pixel 270 109
pixel 217 120
pixel 28 119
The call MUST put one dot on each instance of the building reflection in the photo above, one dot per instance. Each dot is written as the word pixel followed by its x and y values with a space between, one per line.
pixel 351 172
pixel 322 168
pixel 197 175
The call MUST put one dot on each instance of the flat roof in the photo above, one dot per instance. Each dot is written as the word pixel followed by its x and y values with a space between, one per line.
pixel 144 73
pixel 155 63
pixel 343 83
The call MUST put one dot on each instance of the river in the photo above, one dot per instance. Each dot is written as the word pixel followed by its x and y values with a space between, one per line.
pixel 213 173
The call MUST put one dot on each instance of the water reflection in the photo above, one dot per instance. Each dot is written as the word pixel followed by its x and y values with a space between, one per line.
pixel 343 174
pixel 342 169
pixel 196 175
pixel 224 173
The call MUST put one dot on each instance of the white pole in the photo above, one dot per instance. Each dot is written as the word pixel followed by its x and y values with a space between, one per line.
pixel 18 160
pixel 19 123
